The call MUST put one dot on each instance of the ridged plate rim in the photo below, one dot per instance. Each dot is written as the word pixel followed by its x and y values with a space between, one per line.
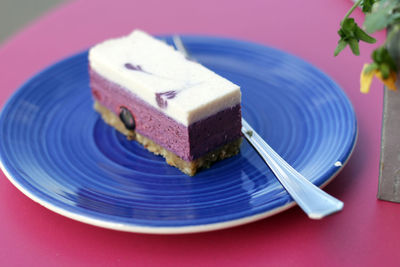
pixel 102 222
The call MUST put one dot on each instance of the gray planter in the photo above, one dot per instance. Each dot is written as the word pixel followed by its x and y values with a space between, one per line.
pixel 389 174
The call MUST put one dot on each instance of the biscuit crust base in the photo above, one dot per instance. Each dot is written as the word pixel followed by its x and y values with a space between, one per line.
pixel 187 167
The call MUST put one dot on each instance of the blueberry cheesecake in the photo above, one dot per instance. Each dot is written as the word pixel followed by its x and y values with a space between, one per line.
pixel 173 106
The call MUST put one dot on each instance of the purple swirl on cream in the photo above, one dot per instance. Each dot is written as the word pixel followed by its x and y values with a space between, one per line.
pixel 130 66
pixel 161 98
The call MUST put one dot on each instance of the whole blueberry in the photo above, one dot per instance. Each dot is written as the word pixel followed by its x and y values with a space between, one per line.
pixel 127 118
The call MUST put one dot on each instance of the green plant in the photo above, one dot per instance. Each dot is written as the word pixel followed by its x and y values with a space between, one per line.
pixel 379 15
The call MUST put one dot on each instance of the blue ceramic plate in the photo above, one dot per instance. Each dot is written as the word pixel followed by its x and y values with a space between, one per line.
pixel 58 151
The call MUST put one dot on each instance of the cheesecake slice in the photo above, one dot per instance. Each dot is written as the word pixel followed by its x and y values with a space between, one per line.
pixel 173 106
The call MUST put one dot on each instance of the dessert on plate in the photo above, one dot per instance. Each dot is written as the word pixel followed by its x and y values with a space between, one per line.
pixel 173 106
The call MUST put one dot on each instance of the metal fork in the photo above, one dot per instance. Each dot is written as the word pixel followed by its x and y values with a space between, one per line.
pixel 314 202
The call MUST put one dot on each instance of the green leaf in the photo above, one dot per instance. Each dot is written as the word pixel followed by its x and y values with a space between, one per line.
pixel 341 45
pixel 348 26
pixel 388 59
pixel 353 43
pixel 371 67
pixel 385 70
pixel 382 56
pixel 363 36
pixel 382 16
pixel 377 55
pixel 367 5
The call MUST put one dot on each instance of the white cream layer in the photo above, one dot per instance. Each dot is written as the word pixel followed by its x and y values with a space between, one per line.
pixel 200 92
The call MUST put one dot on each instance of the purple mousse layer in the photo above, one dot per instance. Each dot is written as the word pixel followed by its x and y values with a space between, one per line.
pixel 188 143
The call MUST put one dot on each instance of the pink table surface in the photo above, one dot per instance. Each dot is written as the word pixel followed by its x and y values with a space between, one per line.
pixel 363 234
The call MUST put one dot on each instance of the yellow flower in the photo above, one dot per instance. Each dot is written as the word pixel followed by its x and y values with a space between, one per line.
pixel 366 79
pixel 390 82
